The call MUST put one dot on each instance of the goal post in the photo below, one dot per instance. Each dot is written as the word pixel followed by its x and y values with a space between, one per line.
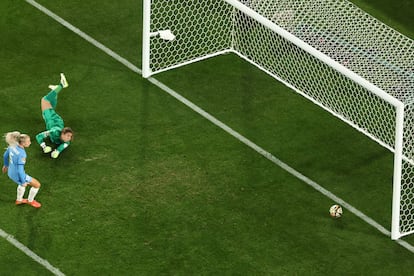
pixel 196 38
pixel 330 52
pixel 397 229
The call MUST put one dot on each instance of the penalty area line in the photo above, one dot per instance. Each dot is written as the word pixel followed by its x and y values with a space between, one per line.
pixel 221 125
pixel 30 253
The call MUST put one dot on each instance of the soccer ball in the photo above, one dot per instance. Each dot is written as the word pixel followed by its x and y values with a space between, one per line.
pixel 335 211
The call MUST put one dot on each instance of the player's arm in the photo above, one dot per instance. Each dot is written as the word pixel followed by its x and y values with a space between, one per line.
pixel 40 138
pixel 5 160
pixel 6 157
pixel 21 174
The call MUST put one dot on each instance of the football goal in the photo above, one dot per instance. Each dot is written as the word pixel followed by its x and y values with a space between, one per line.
pixel 331 52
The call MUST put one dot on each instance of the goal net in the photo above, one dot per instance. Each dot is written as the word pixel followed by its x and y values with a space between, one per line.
pixel 329 51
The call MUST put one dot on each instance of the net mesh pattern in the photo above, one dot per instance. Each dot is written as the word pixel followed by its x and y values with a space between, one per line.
pixel 337 29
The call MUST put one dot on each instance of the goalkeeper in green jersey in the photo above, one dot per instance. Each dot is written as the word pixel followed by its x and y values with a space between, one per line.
pixel 58 134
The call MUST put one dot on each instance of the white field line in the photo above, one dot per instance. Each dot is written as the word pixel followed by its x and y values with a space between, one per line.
pixel 30 253
pixel 221 125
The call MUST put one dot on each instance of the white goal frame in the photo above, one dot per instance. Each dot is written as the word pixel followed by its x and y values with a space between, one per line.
pixel 254 9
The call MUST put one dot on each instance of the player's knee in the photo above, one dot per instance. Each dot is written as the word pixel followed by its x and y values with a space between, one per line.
pixel 45 104
pixel 35 183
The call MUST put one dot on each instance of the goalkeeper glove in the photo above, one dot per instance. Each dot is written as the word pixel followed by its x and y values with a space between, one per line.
pixel 55 154
pixel 46 149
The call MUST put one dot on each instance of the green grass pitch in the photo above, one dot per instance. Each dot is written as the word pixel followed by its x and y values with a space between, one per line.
pixel 150 187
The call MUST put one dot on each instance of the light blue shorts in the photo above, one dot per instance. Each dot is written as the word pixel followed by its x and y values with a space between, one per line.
pixel 27 179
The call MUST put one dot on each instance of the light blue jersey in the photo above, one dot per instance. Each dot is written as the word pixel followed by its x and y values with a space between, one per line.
pixel 15 158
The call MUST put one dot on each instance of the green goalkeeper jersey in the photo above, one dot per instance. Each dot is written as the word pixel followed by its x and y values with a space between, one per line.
pixel 54 126
pixel 54 136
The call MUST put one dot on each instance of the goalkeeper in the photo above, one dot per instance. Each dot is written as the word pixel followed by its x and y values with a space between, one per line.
pixel 58 134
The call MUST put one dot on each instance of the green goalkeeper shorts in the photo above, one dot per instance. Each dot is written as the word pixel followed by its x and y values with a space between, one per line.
pixel 52 119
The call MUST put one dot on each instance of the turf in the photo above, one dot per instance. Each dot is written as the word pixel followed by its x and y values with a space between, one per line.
pixel 149 187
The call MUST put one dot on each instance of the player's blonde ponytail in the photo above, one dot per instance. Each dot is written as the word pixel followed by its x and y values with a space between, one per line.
pixel 12 138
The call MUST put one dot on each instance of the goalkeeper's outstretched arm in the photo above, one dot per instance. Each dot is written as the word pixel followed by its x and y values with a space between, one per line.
pixel 40 138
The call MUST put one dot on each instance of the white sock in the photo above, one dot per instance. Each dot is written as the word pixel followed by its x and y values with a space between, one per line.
pixel 20 192
pixel 32 193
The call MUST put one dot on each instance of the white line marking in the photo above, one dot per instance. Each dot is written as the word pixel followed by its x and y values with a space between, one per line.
pixel 30 253
pixel 85 36
pixel 221 125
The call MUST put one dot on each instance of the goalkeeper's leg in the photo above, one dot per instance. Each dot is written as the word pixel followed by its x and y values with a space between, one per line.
pixel 50 100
